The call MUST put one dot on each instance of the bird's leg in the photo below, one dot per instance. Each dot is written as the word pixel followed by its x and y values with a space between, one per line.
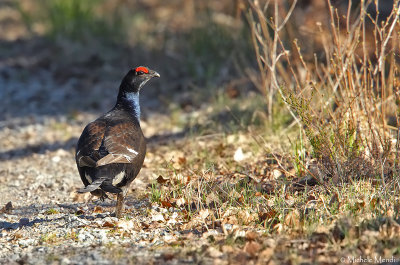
pixel 120 204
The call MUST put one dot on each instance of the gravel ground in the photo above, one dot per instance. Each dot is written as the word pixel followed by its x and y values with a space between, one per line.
pixel 48 93
pixel 42 218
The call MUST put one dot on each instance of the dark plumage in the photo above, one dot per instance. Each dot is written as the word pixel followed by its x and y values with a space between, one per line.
pixel 111 149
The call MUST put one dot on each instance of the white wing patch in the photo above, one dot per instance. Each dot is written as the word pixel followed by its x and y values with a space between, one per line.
pixel 127 157
pixel 132 151
pixel 88 178
pixel 118 178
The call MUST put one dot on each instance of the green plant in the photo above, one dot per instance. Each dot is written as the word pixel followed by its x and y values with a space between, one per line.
pixel 50 237
pixel 51 211
pixel 213 47
pixel 299 150
pixel 155 193
pixel 341 113
pixel 74 19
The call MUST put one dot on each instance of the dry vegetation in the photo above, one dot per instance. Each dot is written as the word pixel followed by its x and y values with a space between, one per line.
pixel 281 142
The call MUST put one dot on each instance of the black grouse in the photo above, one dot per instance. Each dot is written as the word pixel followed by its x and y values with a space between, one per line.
pixel 111 149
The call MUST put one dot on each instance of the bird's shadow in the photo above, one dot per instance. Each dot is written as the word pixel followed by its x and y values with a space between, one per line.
pixel 37 149
pixel 68 212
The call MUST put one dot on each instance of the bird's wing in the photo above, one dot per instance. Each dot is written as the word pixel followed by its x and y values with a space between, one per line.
pixel 89 143
pixel 121 142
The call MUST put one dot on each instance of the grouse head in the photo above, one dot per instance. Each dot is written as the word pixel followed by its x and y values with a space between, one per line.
pixel 128 96
pixel 136 78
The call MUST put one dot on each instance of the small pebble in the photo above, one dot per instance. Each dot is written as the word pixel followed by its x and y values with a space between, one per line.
pixel 85 236
pixel 26 242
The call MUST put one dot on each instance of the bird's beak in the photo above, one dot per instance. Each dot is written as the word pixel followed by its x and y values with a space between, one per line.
pixel 155 74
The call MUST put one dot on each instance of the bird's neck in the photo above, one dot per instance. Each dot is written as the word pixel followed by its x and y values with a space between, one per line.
pixel 129 102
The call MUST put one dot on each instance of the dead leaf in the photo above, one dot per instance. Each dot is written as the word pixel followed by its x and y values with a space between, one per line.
pixel 359 204
pixel 168 256
pixel 80 212
pixel 216 223
pixel 166 204
pixel 251 236
pixel 227 249
pixel 267 215
pixel 7 208
pixel 18 235
pixel 157 217
pixel 126 224
pixel 232 91
pixel 231 220
pixel 98 209
pixel 390 212
pixel 161 180
pixel 182 160
pixel 154 225
pixel 252 248
pixel 292 219
pixel 278 227
pixel 245 216
pixel 266 255
pixel 109 224
pixel 186 215
pixel 203 214
pixel 239 155
pixel 276 173
pixel 180 202
pixel 373 203
pixel 145 225
pixel 311 197
pixel 214 253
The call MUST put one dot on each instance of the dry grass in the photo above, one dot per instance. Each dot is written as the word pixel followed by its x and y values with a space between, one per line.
pixel 314 170
pixel 341 101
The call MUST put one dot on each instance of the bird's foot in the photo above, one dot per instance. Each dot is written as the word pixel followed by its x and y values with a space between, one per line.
pixel 100 193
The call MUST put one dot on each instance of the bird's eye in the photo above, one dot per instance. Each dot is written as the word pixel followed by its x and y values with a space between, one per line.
pixel 140 73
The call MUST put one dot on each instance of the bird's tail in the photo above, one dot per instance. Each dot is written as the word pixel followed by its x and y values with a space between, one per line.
pixel 92 186
pixel 102 184
pixel 108 187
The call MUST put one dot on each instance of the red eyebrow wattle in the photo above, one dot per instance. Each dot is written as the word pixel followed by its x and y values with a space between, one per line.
pixel 143 69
